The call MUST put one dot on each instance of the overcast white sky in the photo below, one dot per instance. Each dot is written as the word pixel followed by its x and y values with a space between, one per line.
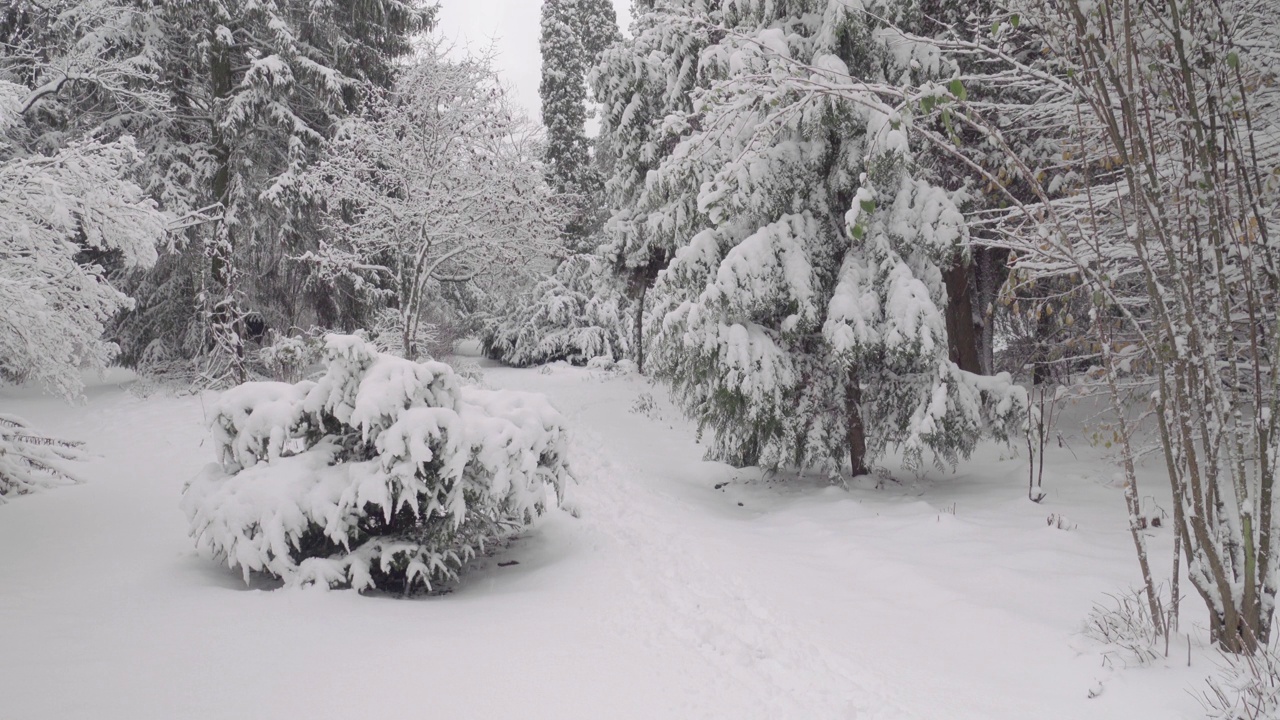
pixel 511 26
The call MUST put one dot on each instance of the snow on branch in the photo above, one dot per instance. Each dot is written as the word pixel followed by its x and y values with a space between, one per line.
pixel 30 461
pixel 384 473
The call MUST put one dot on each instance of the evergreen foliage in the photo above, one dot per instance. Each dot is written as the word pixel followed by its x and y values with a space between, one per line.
pixel 253 91
pixel 574 34
pixel 30 461
pixel 572 315
pixel 801 314
pixel 384 473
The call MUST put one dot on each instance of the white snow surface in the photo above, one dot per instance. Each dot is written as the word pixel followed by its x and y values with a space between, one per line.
pixel 655 594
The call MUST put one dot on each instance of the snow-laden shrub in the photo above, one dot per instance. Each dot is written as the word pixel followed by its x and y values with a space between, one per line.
pixel 287 357
pixel 430 340
pixel 29 461
pixel 569 316
pixel 383 473
pixel 1246 687
pixel 1125 630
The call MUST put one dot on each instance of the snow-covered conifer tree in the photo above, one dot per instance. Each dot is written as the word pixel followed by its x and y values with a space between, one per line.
pixel 255 90
pixel 801 314
pixel 384 473
pixel 574 34
pixel 572 314
pixel 639 82
pixel 30 461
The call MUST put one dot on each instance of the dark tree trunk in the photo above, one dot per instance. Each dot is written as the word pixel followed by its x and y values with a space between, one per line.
pixel 640 278
pixel 988 274
pixel 1042 369
pixel 644 290
pixel 853 422
pixel 962 336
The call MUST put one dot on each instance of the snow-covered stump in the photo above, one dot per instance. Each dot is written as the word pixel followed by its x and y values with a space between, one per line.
pixel 385 473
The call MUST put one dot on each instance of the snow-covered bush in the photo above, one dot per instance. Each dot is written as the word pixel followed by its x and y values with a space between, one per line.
pixel 384 473
pixel 287 357
pixel 1246 687
pixel 570 315
pixel 29 461
pixel 1125 629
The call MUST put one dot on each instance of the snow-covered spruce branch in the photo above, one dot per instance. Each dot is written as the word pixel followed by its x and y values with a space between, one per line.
pixel 30 461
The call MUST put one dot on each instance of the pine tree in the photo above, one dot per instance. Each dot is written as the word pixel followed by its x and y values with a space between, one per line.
pixel 801 313
pixel 572 314
pixel 639 82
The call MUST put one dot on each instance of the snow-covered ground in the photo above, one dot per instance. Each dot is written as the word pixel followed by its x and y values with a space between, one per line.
pixel 671 588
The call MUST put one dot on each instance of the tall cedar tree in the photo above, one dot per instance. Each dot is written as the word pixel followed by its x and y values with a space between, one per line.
pixel 801 312
pixel 574 34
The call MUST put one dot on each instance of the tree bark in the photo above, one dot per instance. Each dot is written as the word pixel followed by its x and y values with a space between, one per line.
pixel 988 275
pixel 644 290
pixel 962 336
pixel 640 280
pixel 857 433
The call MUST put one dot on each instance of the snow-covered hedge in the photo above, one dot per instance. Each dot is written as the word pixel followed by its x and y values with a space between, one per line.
pixel 383 473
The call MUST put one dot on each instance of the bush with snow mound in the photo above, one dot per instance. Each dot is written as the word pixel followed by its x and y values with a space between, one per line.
pixel 384 473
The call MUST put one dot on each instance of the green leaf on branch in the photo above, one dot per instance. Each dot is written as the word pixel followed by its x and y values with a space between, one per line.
pixel 951 131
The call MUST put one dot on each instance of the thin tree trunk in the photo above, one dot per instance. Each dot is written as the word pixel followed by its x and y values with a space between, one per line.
pixel 224 313
pixel 989 271
pixel 853 422
pixel 644 290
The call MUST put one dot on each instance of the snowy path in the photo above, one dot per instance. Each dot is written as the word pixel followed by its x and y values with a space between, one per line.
pixel 665 598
